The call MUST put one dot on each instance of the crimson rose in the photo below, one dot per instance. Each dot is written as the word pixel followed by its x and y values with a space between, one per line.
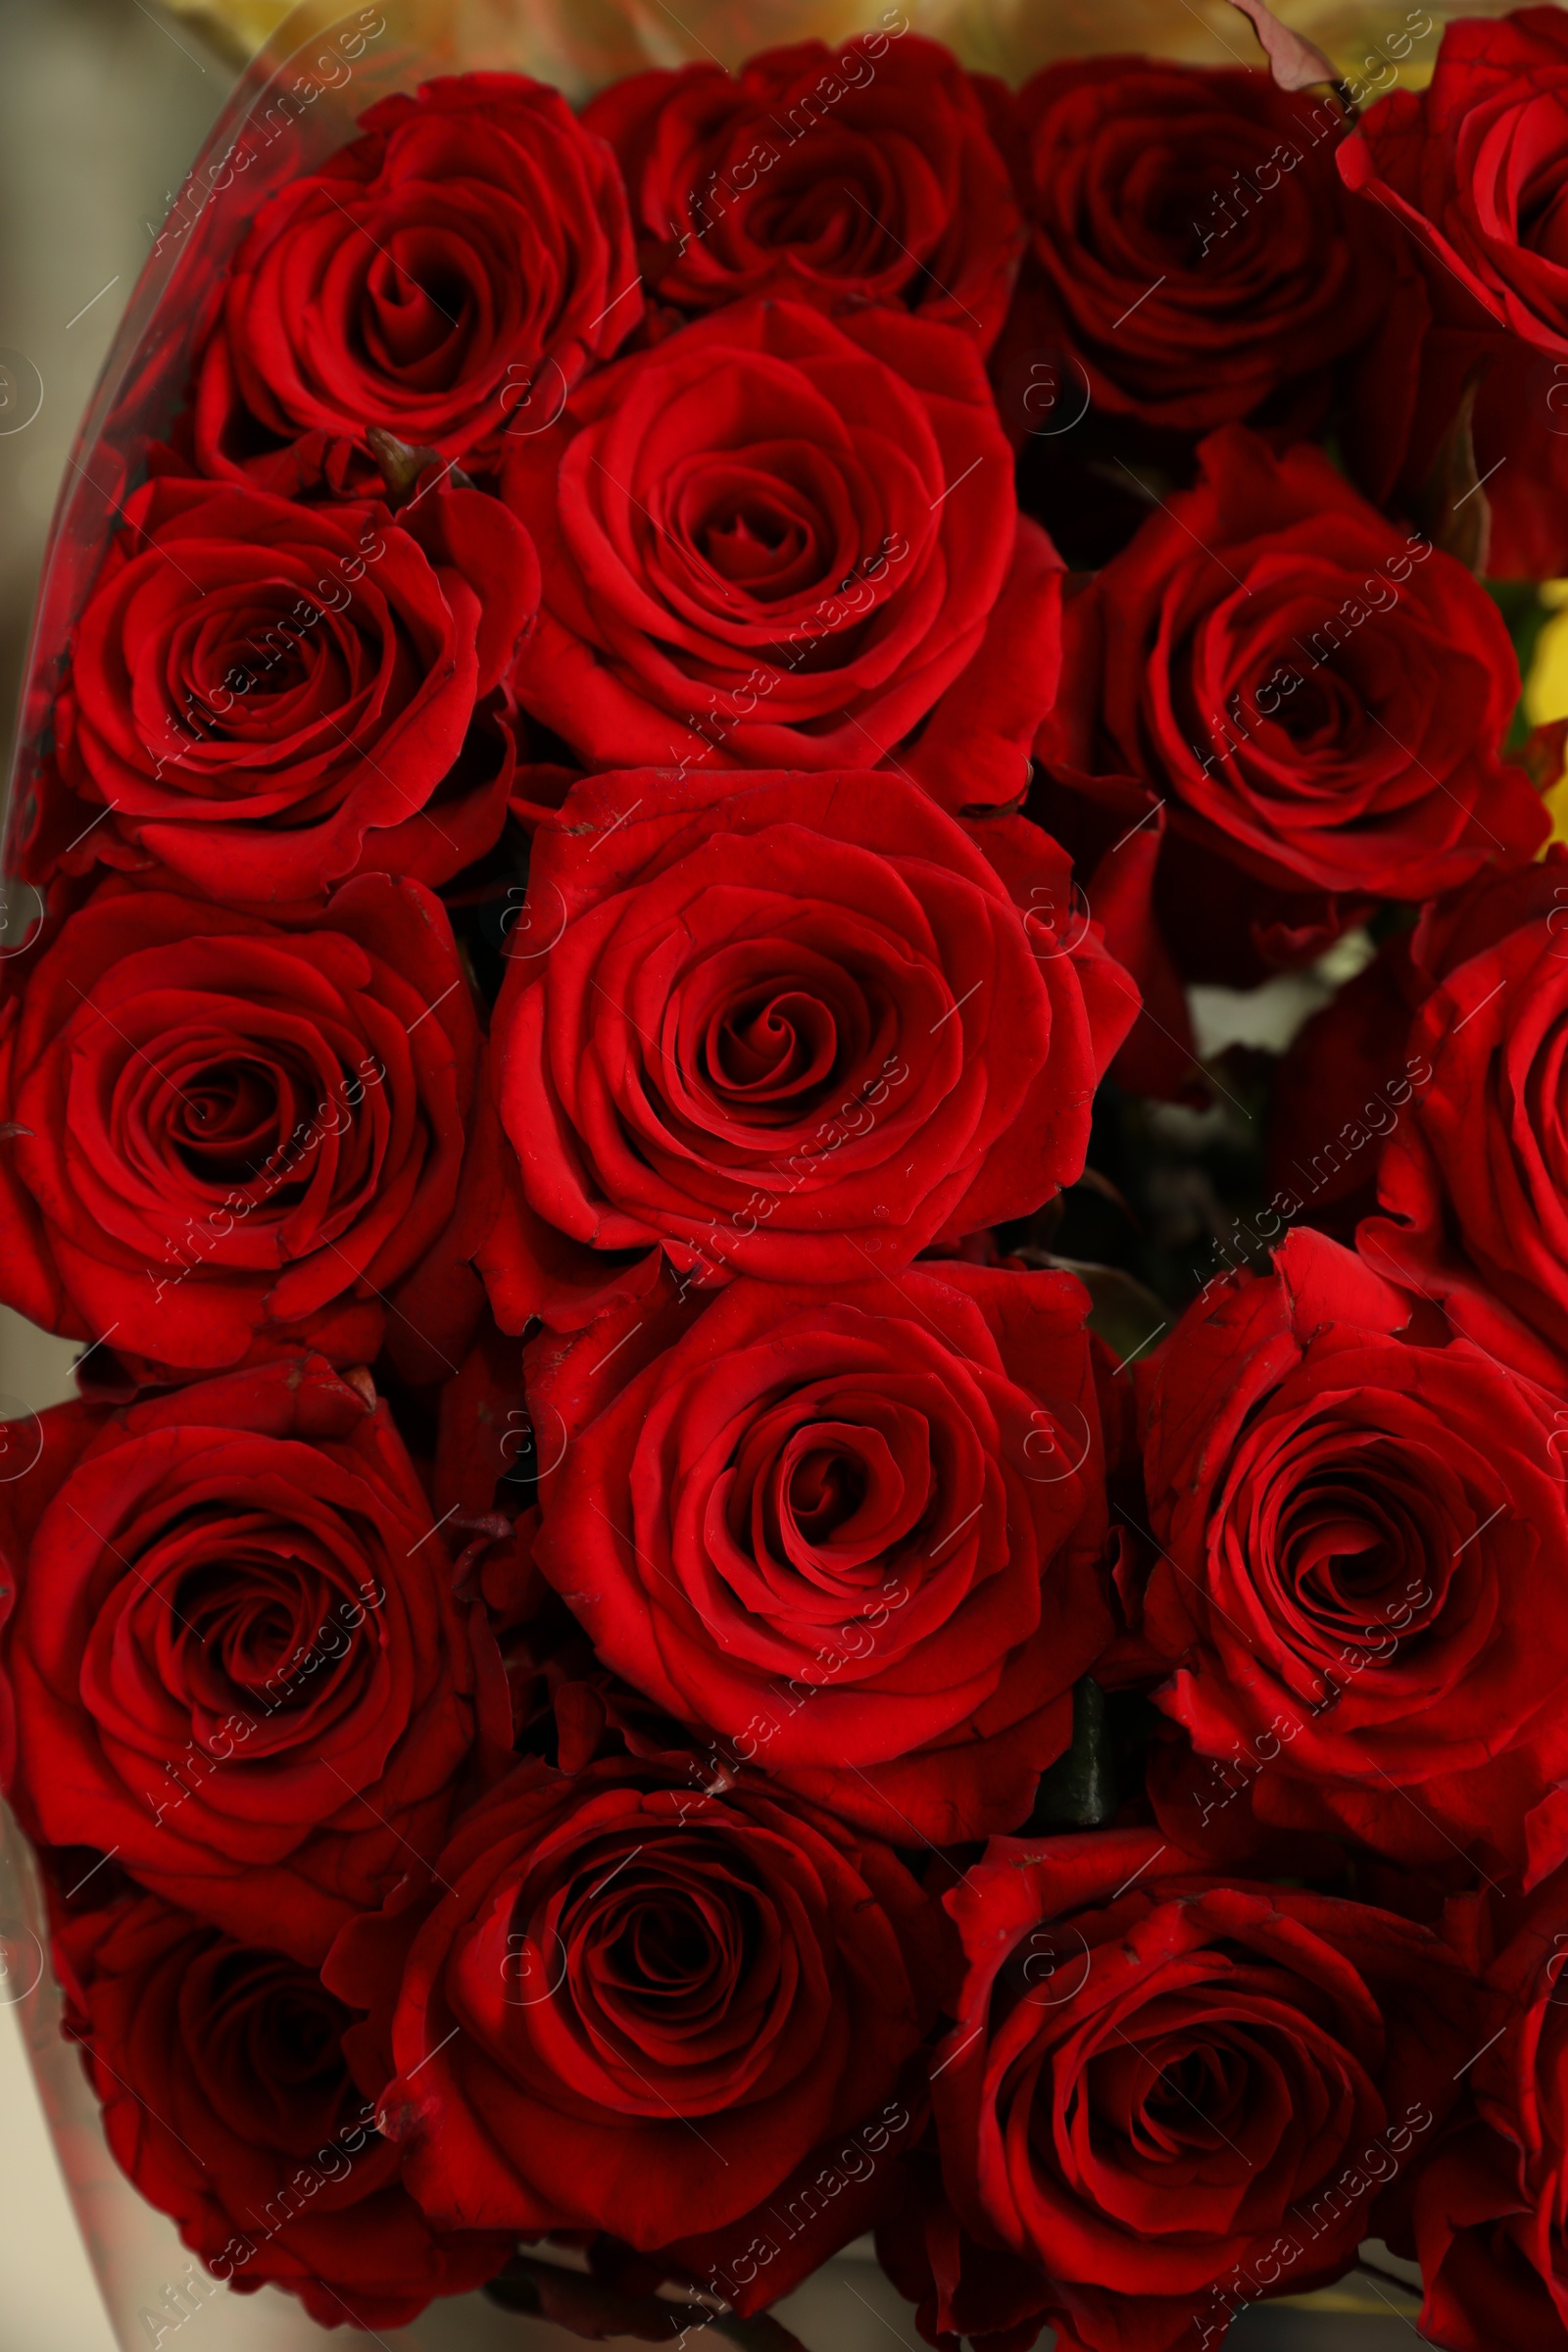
pixel 641 2002
pixel 1520 430
pixel 236 1659
pixel 228 2101
pixel 1471 168
pixel 1193 253
pixel 1167 2095
pixel 225 1136
pixel 450 270
pixel 864 175
pixel 1301 701
pixel 853 1532
pixel 1473 1182
pixel 773 541
pixel 794 1025
pixel 1474 165
pixel 265 697
pixel 1489 2215
pixel 1323 695
pixel 1363 1534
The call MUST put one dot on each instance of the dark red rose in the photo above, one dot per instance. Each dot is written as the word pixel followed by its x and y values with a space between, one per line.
pixel 1475 167
pixel 1193 252
pixel 642 2000
pixel 1471 168
pixel 1351 1072
pixel 228 2101
pixel 1473 1181
pixel 1520 430
pixel 864 175
pixel 1322 695
pixel 236 1660
pixel 796 1026
pixel 265 697
pixel 452 270
pixel 484 1456
pixel 774 539
pixel 997 2300
pixel 1363 1531
pixel 1493 2260
pixel 565 1705
pixel 227 1136
pixel 1420 1089
pixel 1170 2096
pixel 1490 2217
pixel 1486 2209
pixel 1340 1092
pixel 1301 704
pixel 851 1536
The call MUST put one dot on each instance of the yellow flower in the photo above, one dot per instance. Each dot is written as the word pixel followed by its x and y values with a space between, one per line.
pixel 1547 692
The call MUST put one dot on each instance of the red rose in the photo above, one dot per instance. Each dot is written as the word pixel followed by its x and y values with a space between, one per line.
pixel 997 2300
pixel 1473 1180
pixel 1363 1534
pixel 1281 681
pixel 1473 166
pixel 853 1532
pixel 266 696
pixel 228 1135
pixel 773 541
pixel 1171 2095
pixel 236 1660
pixel 1351 1072
pixel 1193 253
pixel 1338 1093
pixel 1520 430
pixel 229 2103
pixel 1489 2206
pixel 833 178
pixel 450 270
pixel 1299 702
pixel 796 1026
pixel 639 2004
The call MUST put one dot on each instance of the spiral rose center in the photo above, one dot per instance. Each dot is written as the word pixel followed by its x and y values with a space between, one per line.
pixel 1309 714
pixel 303 2041
pixel 416 309
pixel 660 1945
pixel 663 1950
pixel 226 1121
pixel 1191 2093
pixel 828 1495
pixel 823 1490
pixel 1356 1561
pixel 754 544
pixel 771 1045
pixel 752 529
pixel 837 225
pixel 263 1631
pixel 272 2047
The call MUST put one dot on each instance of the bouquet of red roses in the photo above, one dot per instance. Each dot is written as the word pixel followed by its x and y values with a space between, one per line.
pixel 757 1543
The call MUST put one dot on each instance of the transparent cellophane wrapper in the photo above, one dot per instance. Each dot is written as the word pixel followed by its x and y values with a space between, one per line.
pixel 297 100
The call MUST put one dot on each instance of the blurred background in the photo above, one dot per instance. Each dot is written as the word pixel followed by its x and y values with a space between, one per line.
pixel 103 106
